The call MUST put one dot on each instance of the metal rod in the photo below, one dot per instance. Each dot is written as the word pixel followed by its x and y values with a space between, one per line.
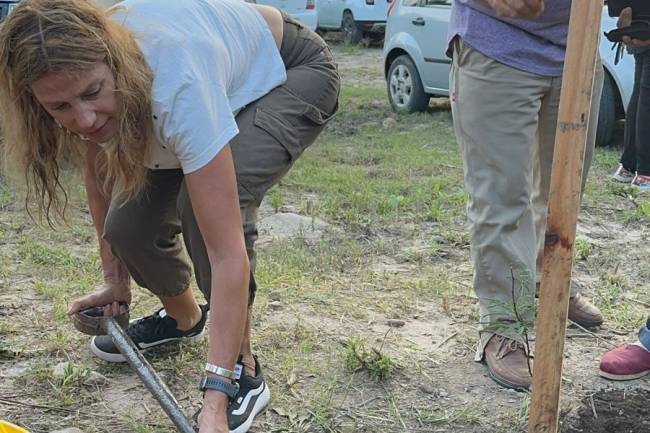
pixel 147 374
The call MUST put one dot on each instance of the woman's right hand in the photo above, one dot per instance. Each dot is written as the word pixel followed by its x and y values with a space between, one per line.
pixel 108 295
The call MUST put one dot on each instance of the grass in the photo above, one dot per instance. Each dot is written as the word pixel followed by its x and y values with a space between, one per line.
pixel 398 249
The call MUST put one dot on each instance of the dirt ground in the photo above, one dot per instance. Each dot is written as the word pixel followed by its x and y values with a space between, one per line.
pixel 437 388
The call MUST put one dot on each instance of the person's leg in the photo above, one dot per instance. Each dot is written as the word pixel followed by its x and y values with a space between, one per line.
pixel 495 110
pixel 581 310
pixel 629 157
pixel 644 335
pixel 143 234
pixel 642 136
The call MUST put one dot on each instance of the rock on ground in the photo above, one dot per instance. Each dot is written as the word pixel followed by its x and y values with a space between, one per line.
pixel 291 226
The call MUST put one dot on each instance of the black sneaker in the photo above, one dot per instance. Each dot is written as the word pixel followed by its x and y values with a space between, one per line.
pixel 252 398
pixel 150 331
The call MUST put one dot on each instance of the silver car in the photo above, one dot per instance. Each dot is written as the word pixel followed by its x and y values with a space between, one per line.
pixel 416 67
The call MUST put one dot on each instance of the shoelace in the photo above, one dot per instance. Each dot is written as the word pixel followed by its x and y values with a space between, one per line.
pixel 138 328
pixel 507 346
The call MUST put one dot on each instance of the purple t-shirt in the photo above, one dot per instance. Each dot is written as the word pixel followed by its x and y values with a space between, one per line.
pixel 536 45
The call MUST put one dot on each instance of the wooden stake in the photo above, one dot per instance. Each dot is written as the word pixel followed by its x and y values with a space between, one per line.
pixel 564 201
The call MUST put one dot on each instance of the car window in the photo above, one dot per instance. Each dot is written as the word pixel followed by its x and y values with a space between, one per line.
pixel 430 3
pixel 410 3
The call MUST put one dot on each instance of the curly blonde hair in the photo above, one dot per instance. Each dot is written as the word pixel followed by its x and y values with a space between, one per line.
pixel 42 36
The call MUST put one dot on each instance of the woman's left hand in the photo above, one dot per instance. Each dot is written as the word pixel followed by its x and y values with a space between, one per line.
pixel 213 417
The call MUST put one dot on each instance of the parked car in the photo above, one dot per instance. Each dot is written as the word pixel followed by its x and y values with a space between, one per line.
pixel 416 67
pixel 304 11
pixel 355 18
pixel 6 6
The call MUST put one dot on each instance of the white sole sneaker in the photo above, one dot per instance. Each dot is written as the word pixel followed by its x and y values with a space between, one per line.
pixel 118 357
pixel 262 401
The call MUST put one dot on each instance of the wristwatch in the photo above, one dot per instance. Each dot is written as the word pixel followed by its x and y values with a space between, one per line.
pixel 228 388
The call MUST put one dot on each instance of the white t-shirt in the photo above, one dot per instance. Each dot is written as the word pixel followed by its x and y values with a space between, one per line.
pixel 210 58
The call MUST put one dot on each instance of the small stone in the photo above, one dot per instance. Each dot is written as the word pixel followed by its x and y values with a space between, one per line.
pixel 276 306
pixel 69 430
pixel 274 296
pixel 443 393
pixel 389 123
pixel 95 379
pixel 395 323
pixel 427 389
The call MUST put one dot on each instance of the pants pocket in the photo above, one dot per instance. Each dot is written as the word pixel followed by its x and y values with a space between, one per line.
pixel 274 132
pixel 279 128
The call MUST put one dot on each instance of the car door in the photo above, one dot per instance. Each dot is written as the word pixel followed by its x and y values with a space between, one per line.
pixel 330 13
pixel 429 23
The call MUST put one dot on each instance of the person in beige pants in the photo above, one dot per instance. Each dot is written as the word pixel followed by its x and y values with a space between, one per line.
pixel 505 120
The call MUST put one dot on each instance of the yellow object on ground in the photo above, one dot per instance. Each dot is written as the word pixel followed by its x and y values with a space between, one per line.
pixel 7 427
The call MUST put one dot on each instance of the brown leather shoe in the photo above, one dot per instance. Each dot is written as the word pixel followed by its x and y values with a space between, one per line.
pixel 507 363
pixel 583 312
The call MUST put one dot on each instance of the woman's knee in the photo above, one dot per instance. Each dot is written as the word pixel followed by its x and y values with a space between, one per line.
pixel 126 233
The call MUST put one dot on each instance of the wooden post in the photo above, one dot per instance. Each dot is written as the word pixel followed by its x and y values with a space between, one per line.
pixel 564 201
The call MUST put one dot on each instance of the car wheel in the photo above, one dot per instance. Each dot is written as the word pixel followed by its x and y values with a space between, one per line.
pixel 405 91
pixel 607 113
pixel 352 34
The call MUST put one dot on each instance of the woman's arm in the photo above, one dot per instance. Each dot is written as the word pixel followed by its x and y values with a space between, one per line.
pixel 213 193
pixel 116 285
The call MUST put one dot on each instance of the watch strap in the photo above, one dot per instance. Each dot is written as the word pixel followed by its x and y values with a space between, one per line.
pixel 213 383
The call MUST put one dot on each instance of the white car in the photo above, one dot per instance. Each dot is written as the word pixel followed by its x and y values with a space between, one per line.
pixel 6 6
pixel 416 67
pixel 356 18
pixel 304 11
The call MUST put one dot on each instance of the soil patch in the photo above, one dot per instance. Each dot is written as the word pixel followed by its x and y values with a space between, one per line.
pixel 610 411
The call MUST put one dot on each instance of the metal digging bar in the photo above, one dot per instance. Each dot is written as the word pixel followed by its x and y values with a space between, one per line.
pixel 93 322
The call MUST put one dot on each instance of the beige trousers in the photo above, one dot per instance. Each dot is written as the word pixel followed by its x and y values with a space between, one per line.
pixel 505 121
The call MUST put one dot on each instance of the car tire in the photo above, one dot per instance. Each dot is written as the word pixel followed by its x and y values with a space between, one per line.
pixel 352 34
pixel 405 91
pixel 607 113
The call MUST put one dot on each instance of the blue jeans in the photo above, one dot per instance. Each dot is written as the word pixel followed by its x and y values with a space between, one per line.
pixel 644 335
pixel 636 156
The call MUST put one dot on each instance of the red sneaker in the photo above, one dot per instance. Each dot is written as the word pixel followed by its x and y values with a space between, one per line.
pixel 625 363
